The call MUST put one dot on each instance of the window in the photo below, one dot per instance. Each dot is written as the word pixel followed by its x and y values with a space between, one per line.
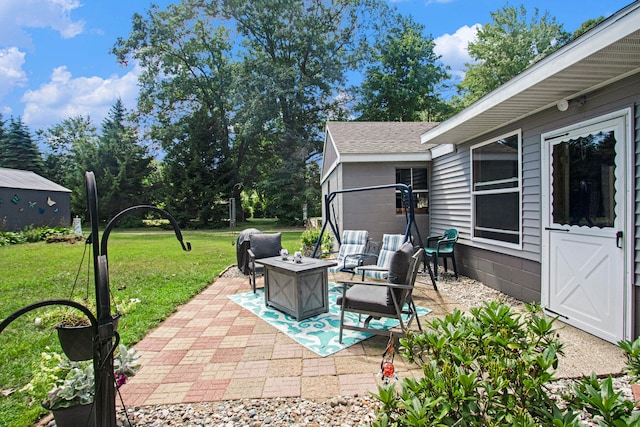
pixel 496 188
pixel 417 179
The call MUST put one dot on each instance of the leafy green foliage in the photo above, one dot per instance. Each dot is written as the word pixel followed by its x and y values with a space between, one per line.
pixel 507 46
pixel 309 238
pixel 403 83
pixel 599 399
pixel 487 368
pixel 31 235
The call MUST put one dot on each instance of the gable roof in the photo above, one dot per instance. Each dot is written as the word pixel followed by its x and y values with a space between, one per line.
pixel 608 52
pixel 27 180
pixel 378 137
pixel 356 142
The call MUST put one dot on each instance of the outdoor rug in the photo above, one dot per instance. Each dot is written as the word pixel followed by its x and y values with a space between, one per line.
pixel 317 333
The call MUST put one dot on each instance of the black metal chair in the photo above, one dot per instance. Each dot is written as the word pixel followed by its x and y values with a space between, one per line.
pixel 262 246
pixel 390 299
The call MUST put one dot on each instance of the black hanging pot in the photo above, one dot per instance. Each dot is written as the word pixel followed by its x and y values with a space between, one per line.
pixel 75 416
pixel 77 341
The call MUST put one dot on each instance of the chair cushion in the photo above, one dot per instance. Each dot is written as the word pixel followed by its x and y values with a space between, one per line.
pixel 398 270
pixel 367 298
pixel 266 245
pixel 399 264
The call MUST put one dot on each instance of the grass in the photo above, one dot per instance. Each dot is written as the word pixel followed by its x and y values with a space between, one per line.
pixel 143 265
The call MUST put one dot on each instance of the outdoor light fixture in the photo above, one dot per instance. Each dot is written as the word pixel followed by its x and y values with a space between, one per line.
pixel 563 105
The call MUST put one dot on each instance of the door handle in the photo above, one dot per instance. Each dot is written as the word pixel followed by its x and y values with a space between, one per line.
pixel 619 239
pixel 556 229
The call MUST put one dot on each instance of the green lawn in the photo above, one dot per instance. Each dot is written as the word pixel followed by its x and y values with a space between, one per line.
pixel 149 266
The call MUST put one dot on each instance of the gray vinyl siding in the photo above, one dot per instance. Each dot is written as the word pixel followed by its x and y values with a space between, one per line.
pixel 451 196
pixel 450 201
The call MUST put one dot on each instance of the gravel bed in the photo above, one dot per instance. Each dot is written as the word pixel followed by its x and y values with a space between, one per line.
pixel 339 411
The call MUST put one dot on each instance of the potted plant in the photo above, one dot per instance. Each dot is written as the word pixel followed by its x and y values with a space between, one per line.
pixel 74 328
pixel 71 385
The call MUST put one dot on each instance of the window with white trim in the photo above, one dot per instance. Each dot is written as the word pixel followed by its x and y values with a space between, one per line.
pixel 496 190
pixel 417 179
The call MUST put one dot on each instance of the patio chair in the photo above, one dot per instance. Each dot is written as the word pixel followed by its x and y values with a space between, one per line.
pixel 391 299
pixel 352 252
pixel 442 247
pixel 380 270
pixel 262 246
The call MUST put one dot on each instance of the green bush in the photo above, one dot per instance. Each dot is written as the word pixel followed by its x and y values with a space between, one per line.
pixel 309 238
pixel 493 368
pixel 31 235
pixel 483 369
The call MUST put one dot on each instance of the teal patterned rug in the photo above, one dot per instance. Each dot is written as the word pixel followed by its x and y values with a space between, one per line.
pixel 318 333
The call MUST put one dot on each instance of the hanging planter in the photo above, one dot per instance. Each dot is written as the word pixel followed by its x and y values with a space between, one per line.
pixel 77 340
pixel 76 415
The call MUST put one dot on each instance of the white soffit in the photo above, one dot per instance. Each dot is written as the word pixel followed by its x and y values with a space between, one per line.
pixel 603 55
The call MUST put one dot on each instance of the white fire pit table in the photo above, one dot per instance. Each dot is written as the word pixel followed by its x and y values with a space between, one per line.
pixel 298 289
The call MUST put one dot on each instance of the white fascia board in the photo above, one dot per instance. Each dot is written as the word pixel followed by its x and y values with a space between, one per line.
pixel 611 30
pixel 387 157
pixel 441 150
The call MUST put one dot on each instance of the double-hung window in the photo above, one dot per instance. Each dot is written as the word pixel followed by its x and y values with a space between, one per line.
pixel 417 179
pixel 496 172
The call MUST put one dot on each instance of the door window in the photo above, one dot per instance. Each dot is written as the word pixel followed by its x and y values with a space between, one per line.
pixel 583 190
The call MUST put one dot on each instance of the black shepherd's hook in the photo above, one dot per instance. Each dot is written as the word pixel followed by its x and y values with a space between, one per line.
pixel 69 303
pixel 186 246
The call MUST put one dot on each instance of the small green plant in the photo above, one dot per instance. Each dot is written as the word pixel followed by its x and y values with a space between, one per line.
pixel 309 238
pixel 487 368
pixel 73 383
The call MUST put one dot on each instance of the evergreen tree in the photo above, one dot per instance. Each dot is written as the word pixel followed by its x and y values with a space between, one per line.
pixel 18 150
pixel 120 164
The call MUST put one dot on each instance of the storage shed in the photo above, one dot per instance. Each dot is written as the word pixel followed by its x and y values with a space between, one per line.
pixel 28 199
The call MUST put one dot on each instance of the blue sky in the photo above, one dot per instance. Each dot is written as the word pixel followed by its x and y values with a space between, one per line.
pixel 55 61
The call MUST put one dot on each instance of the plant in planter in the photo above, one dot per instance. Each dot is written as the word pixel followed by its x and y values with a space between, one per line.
pixel 74 328
pixel 71 384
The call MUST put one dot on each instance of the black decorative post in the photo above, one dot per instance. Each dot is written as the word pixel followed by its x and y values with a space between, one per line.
pixel 106 339
pixel 105 398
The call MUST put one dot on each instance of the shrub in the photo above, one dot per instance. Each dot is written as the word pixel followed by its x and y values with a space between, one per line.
pixel 487 368
pixel 309 238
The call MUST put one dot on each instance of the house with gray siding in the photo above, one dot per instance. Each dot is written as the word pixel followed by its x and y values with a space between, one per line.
pixel 28 199
pixel 366 154
pixel 542 179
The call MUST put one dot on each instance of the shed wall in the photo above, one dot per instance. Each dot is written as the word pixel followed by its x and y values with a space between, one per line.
pixel 20 208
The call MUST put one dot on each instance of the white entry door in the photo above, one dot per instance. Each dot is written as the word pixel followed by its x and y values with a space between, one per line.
pixel 584 241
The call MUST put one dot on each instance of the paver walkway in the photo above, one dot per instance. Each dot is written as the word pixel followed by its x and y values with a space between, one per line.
pixel 211 349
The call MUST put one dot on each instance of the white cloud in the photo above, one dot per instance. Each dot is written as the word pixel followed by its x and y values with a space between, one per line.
pixel 453 48
pixel 11 72
pixel 16 15
pixel 65 96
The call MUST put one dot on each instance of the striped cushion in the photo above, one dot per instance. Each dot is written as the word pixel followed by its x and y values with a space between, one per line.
pixel 390 244
pixel 353 242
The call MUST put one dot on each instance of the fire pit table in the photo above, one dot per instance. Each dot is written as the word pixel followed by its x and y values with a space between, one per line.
pixel 298 289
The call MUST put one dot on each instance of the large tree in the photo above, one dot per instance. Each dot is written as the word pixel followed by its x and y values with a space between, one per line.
pixel 266 91
pixel 296 55
pixel 403 83
pixel 121 164
pixel 71 145
pixel 187 84
pixel 17 148
pixel 507 46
